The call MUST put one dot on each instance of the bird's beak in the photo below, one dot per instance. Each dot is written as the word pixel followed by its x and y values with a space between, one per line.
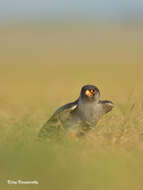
pixel 88 93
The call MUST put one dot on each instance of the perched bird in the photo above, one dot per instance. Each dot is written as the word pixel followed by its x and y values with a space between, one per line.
pixel 77 117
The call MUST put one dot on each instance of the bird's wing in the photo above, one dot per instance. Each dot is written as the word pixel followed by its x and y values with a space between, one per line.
pixel 107 105
pixel 67 107
pixel 55 125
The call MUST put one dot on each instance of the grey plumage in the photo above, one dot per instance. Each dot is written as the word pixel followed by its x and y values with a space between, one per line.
pixel 77 117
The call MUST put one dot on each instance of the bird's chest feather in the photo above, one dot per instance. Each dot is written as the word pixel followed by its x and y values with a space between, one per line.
pixel 91 112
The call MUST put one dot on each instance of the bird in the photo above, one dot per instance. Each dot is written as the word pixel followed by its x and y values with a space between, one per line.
pixel 78 117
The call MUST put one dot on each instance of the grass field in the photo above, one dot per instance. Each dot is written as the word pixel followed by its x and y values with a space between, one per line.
pixel 43 67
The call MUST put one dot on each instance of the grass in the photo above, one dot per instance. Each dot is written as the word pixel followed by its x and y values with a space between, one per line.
pixel 108 157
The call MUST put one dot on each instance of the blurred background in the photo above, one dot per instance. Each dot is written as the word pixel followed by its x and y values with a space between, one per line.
pixel 50 47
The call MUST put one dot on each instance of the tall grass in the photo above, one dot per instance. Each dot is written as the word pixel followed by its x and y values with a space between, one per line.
pixel 108 157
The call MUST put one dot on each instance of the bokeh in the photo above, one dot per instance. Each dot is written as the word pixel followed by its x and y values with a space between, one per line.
pixel 48 51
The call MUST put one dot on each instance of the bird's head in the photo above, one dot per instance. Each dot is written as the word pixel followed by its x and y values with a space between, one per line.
pixel 90 93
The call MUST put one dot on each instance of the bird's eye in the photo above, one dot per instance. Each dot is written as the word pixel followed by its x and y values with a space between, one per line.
pixel 92 91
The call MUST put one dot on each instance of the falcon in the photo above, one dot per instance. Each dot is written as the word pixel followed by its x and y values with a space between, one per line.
pixel 78 117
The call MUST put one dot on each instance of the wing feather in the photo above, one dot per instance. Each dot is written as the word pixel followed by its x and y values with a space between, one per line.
pixel 55 125
pixel 107 105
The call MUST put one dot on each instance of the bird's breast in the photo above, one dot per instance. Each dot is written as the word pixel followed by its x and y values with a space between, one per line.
pixel 91 112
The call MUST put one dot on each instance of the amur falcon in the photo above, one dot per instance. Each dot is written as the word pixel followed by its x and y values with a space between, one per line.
pixel 78 117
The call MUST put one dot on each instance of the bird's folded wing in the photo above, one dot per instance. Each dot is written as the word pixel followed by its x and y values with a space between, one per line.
pixel 107 105
pixel 55 123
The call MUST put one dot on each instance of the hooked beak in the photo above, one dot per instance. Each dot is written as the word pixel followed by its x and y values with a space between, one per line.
pixel 88 93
